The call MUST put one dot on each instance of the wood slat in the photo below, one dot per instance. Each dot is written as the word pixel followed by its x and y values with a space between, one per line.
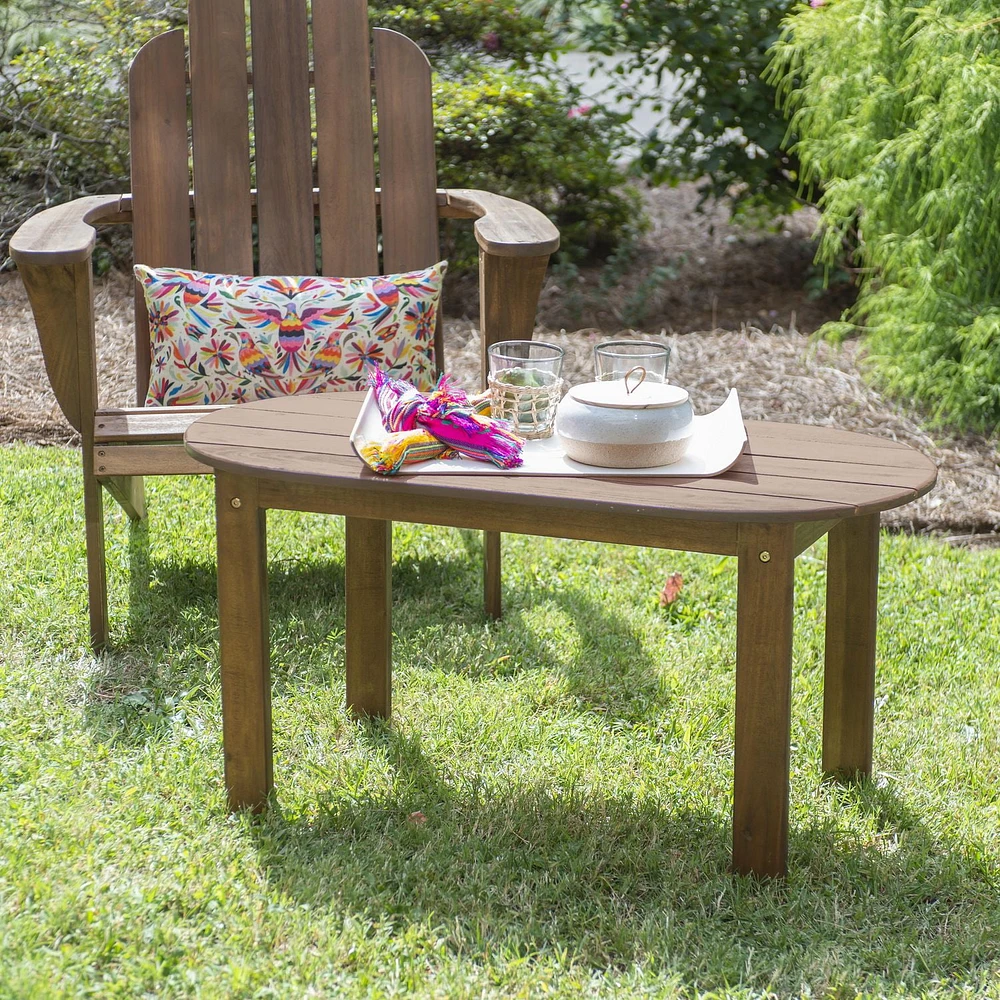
pixel 847 472
pixel 144 425
pixel 550 498
pixel 307 440
pixel 407 168
pixel 345 157
pixel 129 493
pixel 282 137
pixel 161 225
pixel 299 437
pixel 817 433
pixel 298 430
pixel 832 452
pixel 146 460
pixel 220 136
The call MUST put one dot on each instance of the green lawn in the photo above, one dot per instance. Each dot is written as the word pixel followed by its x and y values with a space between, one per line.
pixel 549 813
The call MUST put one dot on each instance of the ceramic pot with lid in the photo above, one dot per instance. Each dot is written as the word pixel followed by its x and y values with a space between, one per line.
pixel 623 425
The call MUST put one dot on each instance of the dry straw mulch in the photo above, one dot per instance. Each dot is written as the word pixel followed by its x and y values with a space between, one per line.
pixel 780 375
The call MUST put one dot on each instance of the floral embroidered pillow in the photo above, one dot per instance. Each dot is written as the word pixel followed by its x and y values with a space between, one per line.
pixel 219 338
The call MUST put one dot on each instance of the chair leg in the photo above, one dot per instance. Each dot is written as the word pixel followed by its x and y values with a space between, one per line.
pixel 508 300
pixel 97 580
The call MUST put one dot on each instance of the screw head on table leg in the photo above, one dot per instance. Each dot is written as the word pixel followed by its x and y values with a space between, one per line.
pixel 236 503
pixel 765 556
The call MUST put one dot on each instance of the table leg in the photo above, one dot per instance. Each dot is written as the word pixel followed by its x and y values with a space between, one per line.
pixel 491 574
pixel 763 698
pixel 849 684
pixel 243 641
pixel 368 639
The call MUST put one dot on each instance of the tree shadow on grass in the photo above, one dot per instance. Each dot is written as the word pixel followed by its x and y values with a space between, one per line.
pixel 615 881
pixel 610 880
pixel 170 646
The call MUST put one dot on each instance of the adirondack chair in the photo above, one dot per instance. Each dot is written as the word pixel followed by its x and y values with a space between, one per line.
pixel 53 248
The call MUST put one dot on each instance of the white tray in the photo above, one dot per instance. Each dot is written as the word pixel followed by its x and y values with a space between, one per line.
pixel 717 442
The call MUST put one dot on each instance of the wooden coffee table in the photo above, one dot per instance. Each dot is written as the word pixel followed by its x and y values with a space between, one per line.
pixel 792 485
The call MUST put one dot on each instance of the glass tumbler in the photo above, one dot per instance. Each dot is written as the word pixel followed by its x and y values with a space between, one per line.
pixel 613 359
pixel 526 385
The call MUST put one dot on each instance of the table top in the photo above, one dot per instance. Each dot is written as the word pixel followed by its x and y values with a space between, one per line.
pixel 788 472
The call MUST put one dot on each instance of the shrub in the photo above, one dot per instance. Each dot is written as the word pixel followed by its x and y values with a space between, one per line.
pixel 898 112
pixel 64 108
pixel 723 125
pixel 517 135
pixel 503 120
pixel 494 28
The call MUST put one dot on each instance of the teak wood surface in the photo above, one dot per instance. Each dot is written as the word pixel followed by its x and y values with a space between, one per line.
pixel 791 485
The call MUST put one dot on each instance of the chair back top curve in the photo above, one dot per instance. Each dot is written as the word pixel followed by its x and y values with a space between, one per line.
pixel 281 103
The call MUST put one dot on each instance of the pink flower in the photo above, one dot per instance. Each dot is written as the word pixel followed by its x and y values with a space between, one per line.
pixel 817 3
pixel 579 110
pixel 490 41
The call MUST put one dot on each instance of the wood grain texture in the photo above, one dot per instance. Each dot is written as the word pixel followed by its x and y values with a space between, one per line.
pixel 139 424
pixel 63 234
pixel 56 306
pixel 810 532
pixel 345 150
pixel 158 139
pixel 243 642
pixel 303 440
pixel 157 459
pixel 82 286
pixel 368 636
pixel 492 560
pixel 849 679
pixel 220 136
pixel 282 136
pixel 508 299
pixel 407 165
pixel 129 494
pixel 504 227
pixel 591 524
pixel 763 698
pixel 97 574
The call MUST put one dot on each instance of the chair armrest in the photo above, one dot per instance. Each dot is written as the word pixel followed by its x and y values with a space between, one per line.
pixel 52 251
pixel 505 227
pixel 63 234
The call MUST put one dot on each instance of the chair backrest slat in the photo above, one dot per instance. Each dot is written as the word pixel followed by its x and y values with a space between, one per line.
pixel 407 170
pixel 218 79
pixel 220 136
pixel 161 230
pixel 345 160
pixel 282 129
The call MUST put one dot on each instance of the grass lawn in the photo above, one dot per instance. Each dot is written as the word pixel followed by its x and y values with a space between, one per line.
pixel 549 813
